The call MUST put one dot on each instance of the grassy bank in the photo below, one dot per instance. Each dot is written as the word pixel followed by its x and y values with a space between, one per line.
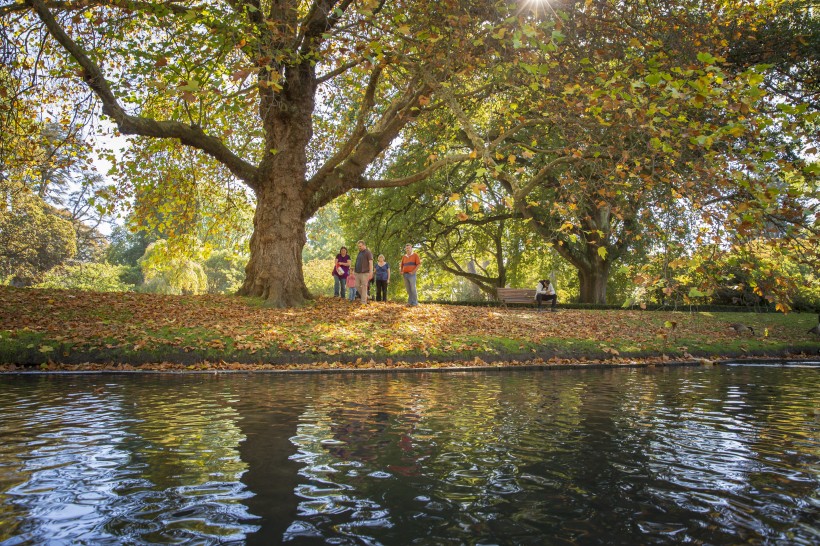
pixel 79 330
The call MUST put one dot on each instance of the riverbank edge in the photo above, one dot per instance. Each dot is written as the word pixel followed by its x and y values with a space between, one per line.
pixel 409 363
pixel 32 357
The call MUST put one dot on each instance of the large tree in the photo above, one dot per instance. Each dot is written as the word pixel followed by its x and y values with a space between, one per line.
pixel 607 116
pixel 300 100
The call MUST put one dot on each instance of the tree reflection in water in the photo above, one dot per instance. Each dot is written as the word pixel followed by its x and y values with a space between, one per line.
pixel 717 455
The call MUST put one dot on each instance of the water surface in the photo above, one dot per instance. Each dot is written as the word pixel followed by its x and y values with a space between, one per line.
pixel 718 455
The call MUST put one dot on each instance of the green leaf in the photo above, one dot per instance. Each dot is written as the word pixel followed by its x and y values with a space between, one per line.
pixel 755 78
pixel 813 168
pixel 706 58
pixel 192 85
pixel 653 79
pixel 602 252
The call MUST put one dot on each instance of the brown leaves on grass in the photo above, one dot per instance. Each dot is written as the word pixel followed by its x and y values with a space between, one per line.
pixel 229 327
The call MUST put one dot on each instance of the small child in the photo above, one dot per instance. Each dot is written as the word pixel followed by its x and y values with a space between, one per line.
pixel 351 286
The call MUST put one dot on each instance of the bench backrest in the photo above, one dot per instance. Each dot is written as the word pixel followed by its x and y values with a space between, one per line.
pixel 515 295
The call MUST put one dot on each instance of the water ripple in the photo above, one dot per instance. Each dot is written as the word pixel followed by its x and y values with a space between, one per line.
pixel 723 455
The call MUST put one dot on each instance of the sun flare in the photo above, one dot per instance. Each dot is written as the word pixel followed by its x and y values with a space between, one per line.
pixel 537 7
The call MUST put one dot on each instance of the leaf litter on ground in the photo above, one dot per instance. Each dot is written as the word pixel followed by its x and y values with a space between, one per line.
pixel 334 332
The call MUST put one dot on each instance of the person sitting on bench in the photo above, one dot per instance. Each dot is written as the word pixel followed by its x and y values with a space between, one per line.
pixel 545 291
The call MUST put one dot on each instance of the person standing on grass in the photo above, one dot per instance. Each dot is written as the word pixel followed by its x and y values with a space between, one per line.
pixel 410 263
pixel 341 269
pixel 545 291
pixel 363 270
pixel 351 286
pixel 382 278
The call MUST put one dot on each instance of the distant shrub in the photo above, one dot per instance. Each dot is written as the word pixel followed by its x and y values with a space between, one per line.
pixel 225 271
pixel 318 277
pixel 168 272
pixel 34 236
pixel 131 274
pixel 96 277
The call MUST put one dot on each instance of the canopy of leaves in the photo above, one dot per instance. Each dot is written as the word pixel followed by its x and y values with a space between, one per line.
pixel 606 125
pixel 597 122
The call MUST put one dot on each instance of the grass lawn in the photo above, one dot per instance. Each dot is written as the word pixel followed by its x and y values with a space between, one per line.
pixel 54 329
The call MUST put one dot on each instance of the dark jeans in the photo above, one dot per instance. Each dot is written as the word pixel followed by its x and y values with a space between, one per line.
pixel 381 290
pixel 339 286
pixel 542 297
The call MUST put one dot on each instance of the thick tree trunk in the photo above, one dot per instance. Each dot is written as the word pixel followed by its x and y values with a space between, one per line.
pixel 593 279
pixel 274 271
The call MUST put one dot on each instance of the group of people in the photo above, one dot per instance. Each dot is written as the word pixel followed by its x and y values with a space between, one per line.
pixel 356 283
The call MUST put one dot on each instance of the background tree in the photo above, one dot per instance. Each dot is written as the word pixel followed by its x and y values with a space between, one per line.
pixel 224 271
pixel 325 234
pixel 33 239
pixel 606 116
pixel 48 150
pixel 167 272
pixel 485 248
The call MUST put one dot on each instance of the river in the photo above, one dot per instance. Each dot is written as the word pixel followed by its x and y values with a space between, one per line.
pixel 725 454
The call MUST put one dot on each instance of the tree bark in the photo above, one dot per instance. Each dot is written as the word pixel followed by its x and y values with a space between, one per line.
pixel 593 279
pixel 274 271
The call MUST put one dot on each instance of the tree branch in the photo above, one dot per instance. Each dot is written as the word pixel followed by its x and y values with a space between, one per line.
pixel 543 174
pixel 340 70
pixel 191 135
pixel 358 131
pixel 320 19
pixel 349 173
pixel 178 7
pixel 421 175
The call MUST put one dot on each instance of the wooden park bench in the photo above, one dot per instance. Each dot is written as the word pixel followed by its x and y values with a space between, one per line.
pixel 515 295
